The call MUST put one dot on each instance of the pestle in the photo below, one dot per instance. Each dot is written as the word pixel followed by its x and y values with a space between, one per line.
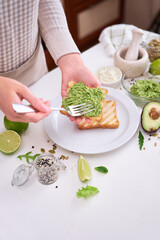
pixel 133 50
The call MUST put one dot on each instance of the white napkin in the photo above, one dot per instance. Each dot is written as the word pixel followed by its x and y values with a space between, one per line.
pixel 119 35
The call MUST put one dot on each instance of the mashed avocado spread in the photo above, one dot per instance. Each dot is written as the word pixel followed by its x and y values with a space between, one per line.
pixel 146 88
pixel 80 93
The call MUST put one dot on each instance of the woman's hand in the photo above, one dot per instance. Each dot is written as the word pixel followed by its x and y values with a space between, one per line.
pixel 13 91
pixel 73 69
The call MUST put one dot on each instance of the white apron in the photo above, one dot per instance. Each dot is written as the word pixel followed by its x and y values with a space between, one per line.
pixel 32 70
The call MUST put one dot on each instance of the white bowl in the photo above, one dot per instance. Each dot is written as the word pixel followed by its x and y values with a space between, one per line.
pixel 109 76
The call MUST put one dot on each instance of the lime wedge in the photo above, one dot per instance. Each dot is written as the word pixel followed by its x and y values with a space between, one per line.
pixel 10 141
pixel 84 171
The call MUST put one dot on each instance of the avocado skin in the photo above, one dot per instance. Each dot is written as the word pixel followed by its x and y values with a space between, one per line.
pixel 149 124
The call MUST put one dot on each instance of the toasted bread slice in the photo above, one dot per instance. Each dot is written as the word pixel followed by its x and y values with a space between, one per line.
pixel 109 118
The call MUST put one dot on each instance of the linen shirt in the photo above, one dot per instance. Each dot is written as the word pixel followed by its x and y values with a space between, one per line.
pixel 21 22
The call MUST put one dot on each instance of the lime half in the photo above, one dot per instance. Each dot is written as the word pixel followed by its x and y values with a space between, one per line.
pixel 84 170
pixel 10 141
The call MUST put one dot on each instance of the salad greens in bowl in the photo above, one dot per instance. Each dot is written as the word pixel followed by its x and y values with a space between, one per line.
pixel 142 89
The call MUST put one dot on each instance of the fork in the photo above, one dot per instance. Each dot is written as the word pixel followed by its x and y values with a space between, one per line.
pixel 75 110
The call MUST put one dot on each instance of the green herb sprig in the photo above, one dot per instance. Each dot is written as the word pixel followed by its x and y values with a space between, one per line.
pixel 140 140
pixel 101 169
pixel 27 156
pixel 87 191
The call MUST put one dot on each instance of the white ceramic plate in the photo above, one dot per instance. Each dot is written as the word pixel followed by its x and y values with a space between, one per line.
pixel 92 141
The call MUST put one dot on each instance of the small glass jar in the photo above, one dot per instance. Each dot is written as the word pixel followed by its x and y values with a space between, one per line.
pixel 153 48
pixel 46 167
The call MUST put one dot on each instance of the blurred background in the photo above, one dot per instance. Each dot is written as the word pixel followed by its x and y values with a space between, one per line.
pixel 87 18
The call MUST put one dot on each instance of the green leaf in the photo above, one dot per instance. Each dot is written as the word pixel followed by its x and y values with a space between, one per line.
pixel 87 191
pixel 27 156
pixel 101 169
pixel 140 140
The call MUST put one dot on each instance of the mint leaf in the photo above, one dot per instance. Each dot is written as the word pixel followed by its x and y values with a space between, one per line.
pixel 140 140
pixel 87 191
pixel 101 169
pixel 27 156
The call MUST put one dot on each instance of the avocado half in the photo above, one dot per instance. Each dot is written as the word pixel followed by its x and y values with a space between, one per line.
pixel 150 117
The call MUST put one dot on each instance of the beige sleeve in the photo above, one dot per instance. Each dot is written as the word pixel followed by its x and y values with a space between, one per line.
pixel 54 29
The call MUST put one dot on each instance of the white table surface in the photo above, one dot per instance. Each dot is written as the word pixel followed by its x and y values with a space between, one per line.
pixel 127 206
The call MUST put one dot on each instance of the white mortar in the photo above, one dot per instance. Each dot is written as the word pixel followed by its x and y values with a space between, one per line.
pixel 137 67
